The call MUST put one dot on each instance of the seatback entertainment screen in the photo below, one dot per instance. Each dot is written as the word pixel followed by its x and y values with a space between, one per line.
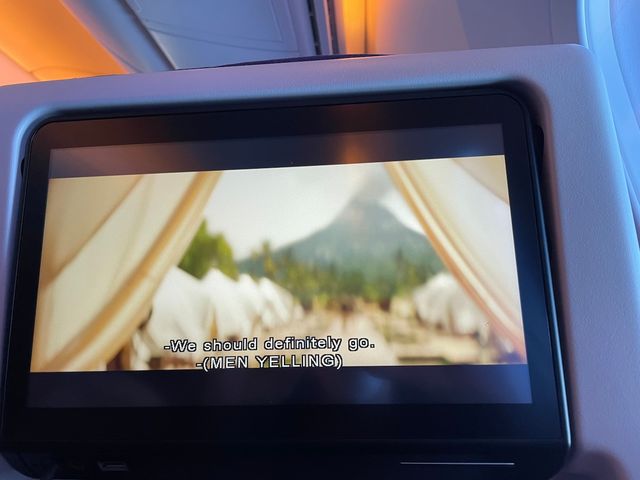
pixel 351 268
pixel 281 281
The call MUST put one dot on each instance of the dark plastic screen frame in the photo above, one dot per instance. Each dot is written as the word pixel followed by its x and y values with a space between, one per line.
pixel 542 420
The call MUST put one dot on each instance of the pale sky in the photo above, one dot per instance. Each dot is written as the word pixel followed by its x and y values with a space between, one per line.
pixel 283 205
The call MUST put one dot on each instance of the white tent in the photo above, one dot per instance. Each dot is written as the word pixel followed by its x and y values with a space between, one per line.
pixel 262 301
pixel 442 303
pixel 252 298
pixel 280 306
pixel 181 309
pixel 231 309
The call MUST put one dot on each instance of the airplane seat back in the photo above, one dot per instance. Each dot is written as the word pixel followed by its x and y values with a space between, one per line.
pixel 595 256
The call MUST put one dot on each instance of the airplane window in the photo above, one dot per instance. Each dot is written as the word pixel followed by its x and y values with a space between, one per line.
pixel 611 35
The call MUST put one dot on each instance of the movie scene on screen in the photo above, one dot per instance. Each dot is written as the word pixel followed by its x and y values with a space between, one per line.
pixel 388 264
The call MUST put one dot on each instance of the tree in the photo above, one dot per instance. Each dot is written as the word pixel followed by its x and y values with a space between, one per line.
pixel 208 251
pixel 268 262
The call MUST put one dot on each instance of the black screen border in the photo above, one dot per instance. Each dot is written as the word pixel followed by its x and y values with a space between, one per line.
pixel 543 419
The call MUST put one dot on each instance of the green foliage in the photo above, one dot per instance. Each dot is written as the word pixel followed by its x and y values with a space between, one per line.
pixel 335 287
pixel 208 251
pixel 268 262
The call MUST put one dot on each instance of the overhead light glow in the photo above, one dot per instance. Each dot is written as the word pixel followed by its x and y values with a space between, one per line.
pixel 44 40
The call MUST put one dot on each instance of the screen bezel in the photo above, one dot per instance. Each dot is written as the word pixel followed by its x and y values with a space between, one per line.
pixel 543 419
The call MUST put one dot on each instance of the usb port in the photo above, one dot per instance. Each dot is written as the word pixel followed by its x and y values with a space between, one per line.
pixel 112 466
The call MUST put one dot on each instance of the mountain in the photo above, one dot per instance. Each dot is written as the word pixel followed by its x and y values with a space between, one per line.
pixel 365 237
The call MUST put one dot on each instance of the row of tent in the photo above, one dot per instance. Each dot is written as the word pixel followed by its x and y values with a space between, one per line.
pixel 441 303
pixel 220 307
pixel 215 307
